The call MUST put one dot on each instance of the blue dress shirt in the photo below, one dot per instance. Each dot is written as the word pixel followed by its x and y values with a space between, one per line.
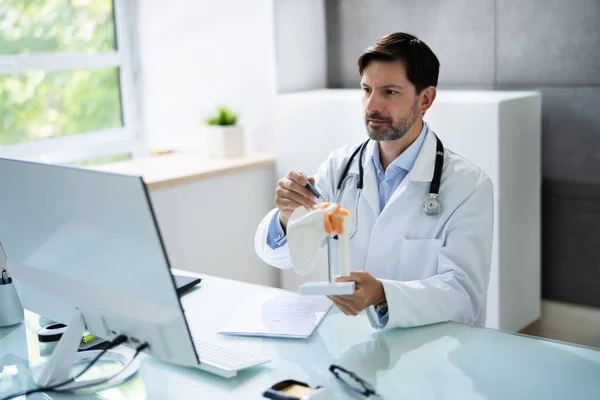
pixel 275 236
pixel 389 180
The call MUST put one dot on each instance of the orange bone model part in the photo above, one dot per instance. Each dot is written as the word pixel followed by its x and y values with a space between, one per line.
pixel 334 223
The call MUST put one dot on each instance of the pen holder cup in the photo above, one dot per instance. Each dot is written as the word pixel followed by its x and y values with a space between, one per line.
pixel 11 310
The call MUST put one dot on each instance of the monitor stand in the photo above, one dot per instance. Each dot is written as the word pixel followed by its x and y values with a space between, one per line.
pixel 58 367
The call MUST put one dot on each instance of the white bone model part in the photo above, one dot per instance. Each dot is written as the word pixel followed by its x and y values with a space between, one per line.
pixel 306 230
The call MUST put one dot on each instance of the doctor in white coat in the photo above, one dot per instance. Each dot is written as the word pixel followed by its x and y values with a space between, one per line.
pixel 410 267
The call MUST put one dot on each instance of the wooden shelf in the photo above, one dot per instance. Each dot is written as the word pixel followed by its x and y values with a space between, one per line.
pixel 167 170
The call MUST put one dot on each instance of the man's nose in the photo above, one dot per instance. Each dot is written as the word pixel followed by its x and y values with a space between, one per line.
pixel 373 103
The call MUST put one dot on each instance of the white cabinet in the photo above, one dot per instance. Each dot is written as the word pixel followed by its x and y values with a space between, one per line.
pixel 208 210
pixel 208 225
pixel 499 131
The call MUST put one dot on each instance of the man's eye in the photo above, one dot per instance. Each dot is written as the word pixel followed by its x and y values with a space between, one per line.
pixel 366 90
pixel 391 92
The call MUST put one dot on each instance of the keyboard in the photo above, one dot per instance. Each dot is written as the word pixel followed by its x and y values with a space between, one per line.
pixel 226 358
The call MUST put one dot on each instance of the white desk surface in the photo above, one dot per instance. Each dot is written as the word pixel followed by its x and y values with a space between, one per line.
pixel 439 361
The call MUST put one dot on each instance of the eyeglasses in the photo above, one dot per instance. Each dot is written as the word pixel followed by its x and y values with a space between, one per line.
pixel 354 382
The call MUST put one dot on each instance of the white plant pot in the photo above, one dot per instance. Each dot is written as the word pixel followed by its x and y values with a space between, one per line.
pixel 225 141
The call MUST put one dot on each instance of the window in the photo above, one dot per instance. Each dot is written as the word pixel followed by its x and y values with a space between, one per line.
pixel 66 80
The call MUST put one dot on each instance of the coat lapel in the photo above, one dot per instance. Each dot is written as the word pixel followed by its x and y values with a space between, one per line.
pixel 424 166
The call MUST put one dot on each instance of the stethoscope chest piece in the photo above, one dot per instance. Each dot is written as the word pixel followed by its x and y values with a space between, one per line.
pixel 432 205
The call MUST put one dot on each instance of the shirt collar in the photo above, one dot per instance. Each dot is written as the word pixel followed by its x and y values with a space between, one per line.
pixel 407 159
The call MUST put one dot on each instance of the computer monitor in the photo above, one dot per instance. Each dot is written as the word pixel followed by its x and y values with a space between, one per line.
pixel 83 251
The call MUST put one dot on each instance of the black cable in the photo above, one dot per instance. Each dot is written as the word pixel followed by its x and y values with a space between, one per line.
pixel 117 341
pixel 361 175
pixel 349 164
pixel 138 350
pixel 434 188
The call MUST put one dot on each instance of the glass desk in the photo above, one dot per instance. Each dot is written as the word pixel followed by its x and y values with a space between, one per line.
pixel 442 361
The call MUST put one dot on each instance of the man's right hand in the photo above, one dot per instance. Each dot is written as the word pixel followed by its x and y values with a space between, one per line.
pixel 292 193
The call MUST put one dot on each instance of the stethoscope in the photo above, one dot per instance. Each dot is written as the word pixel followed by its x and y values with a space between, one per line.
pixel 431 206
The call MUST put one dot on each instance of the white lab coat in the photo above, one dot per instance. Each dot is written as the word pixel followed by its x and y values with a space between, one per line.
pixel 433 268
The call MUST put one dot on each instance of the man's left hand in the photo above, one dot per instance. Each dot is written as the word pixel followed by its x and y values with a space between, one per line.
pixel 368 292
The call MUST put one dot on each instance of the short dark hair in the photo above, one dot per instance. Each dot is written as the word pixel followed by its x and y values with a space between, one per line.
pixel 422 66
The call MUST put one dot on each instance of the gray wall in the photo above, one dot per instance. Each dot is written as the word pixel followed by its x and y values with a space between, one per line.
pixel 548 45
pixel 300 46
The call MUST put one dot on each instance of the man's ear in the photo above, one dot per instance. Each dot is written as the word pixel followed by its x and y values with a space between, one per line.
pixel 426 98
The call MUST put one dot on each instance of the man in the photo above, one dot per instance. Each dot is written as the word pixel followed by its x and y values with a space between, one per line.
pixel 410 267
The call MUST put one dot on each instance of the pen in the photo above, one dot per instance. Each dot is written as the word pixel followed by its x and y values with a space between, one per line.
pixel 312 188
pixel 5 279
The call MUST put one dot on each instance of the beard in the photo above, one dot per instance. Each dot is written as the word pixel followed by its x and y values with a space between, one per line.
pixel 391 130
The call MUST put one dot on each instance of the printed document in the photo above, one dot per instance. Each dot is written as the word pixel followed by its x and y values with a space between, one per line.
pixel 278 315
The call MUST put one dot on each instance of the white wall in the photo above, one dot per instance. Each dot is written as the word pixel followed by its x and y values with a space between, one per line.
pixel 197 54
pixel 300 45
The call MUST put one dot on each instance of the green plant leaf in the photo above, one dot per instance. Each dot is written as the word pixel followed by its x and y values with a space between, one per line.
pixel 223 117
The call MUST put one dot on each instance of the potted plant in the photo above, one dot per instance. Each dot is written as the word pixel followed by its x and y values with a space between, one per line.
pixel 225 136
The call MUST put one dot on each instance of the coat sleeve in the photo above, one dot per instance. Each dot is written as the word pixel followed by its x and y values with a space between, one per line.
pixel 459 290
pixel 280 257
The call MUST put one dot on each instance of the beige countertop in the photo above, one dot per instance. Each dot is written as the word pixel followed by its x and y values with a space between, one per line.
pixel 167 170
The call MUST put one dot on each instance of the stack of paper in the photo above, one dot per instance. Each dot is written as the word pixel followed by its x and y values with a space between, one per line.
pixel 278 315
